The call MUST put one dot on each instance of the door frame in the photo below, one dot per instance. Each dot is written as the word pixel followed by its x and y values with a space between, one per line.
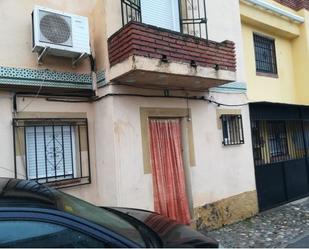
pixel 188 155
pixel 146 113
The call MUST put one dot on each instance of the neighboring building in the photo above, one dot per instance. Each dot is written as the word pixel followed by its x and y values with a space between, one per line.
pixel 157 96
pixel 276 38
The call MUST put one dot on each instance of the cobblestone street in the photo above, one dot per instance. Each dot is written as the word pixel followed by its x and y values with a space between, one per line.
pixel 279 227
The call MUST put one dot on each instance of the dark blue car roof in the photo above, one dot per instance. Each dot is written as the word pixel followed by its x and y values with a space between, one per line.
pixel 17 192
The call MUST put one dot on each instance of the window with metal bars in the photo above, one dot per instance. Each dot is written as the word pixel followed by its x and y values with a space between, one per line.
pixel 186 16
pixel 232 128
pixel 54 151
pixel 265 54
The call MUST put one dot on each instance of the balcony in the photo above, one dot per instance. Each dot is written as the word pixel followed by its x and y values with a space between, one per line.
pixel 145 55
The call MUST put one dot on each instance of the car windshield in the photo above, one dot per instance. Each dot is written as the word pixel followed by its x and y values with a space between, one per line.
pixel 99 216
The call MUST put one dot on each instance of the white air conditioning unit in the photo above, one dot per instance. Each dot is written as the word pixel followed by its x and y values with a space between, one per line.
pixel 60 34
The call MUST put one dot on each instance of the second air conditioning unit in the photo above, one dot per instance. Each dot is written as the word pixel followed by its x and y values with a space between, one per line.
pixel 60 34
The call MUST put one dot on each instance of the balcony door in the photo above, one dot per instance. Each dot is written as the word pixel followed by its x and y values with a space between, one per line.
pixel 161 13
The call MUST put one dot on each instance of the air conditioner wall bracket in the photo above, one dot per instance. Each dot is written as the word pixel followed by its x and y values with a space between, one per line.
pixel 76 61
pixel 42 55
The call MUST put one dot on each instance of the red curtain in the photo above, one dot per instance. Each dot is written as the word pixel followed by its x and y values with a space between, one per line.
pixel 170 196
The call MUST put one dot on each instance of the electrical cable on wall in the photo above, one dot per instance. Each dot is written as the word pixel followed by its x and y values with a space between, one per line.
pixel 96 98
pixel 198 98
pixel 176 89
pixel 37 94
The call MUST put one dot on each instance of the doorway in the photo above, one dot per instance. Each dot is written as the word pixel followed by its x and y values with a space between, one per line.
pixel 169 179
pixel 280 140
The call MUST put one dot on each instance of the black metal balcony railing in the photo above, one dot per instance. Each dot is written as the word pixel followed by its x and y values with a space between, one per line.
pixel 53 151
pixel 192 15
pixel 131 11
pixel 193 18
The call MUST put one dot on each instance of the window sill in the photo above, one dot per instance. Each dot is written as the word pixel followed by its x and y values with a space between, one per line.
pixel 64 183
pixel 270 75
pixel 232 144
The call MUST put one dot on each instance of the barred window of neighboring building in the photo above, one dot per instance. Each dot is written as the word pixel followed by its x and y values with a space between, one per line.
pixel 52 150
pixel 232 128
pixel 265 54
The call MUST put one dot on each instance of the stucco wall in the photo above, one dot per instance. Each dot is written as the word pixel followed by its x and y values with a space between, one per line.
pixel 220 171
pixel 6 135
pixel 301 61
pixel 292 52
pixel 16 40
pixel 105 152
pixel 266 88
pixel 34 106
pixel 225 25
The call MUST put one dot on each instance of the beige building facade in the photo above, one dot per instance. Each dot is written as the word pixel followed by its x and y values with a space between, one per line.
pixel 86 128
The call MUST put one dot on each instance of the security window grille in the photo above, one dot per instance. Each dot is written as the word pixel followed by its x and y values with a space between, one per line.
pixel 49 152
pixel 188 15
pixel 52 150
pixel 265 54
pixel 232 128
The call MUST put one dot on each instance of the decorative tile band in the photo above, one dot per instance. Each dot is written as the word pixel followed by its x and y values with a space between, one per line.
pixel 100 78
pixel 234 87
pixel 47 78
